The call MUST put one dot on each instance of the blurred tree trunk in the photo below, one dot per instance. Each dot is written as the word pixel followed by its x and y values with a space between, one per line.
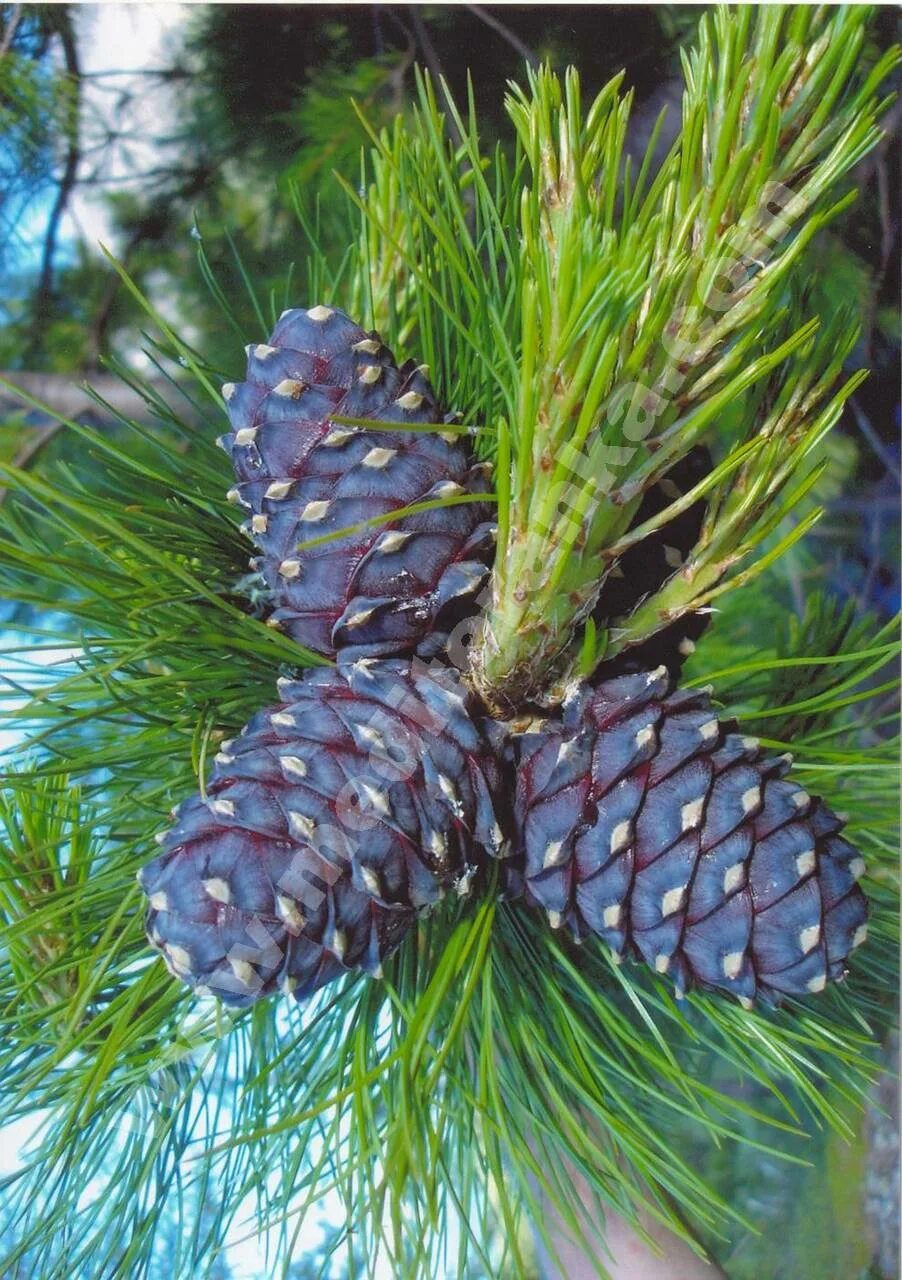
pixel 42 310
pixel 66 397
pixel 626 1255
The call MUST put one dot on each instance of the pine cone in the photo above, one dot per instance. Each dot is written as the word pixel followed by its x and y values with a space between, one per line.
pixel 646 821
pixel 364 796
pixel 382 589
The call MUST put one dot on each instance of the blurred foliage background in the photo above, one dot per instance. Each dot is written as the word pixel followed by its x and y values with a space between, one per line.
pixel 258 116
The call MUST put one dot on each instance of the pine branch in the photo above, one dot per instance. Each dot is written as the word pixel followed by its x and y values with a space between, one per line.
pixel 627 376
pixel 605 322
pixel 444 1105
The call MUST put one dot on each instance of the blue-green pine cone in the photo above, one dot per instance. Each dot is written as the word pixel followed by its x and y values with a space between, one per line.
pixel 387 588
pixel 366 794
pixel 644 820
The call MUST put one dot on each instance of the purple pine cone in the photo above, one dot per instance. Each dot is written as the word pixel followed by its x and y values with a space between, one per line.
pixel 645 821
pixel 387 586
pixel 364 796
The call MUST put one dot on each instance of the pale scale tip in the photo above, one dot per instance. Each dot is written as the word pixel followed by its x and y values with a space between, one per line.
pixel 371 881
pixel 691 813
pixel 358 619
pixel 293 766
pixel 734 877
pixel 672 900
pixel 806 862
pixel 809 938
pixel 289 389
pixel 377 798
pixel 300 825
pixel 392 541
pixel 553 854
pixel 217 889
pixel 621 836
pixel 379 457
pixel 751 799
pixel 243 971
pixel 315 511
pixel 446 489
pixel 179 958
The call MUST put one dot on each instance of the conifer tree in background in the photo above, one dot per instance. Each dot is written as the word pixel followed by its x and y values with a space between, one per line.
pixel 632 349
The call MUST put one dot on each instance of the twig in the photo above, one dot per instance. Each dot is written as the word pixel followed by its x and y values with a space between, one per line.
pixel 161 73
pixel 44 292
pixel 61 394
pixel 486 16
pixel 871 436
pixel 10 30
pixel 398 75
pixel 626 1254
pixel 875 165
pixel 65 395
pixel 434 65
